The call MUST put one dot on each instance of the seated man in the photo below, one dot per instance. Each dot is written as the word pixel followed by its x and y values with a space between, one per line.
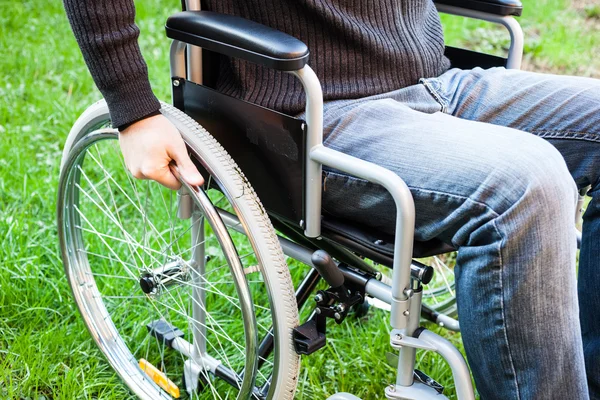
pixel 493 159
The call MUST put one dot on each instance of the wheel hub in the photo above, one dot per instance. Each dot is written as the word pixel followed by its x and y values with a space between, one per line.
pixel 172 273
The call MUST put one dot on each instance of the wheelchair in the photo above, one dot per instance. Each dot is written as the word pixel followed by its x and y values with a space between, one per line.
pixel 192 288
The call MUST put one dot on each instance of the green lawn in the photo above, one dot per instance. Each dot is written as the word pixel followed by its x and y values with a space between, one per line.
pixel 45 350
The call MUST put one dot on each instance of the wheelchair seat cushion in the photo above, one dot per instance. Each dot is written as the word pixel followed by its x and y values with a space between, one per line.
pixel 375 245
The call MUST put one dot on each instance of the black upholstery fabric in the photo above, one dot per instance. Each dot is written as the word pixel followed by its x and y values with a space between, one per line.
pixel 238 37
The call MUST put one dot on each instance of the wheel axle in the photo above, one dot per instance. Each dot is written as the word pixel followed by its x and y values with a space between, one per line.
pixel 172 273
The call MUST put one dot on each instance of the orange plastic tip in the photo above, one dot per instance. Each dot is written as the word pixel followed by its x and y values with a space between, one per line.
pixel 159 378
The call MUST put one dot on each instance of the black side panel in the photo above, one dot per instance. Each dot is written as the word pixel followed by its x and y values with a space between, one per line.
pixel 467 59
pixel 269 147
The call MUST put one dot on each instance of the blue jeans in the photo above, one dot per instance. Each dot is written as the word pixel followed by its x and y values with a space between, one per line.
pixel 494 159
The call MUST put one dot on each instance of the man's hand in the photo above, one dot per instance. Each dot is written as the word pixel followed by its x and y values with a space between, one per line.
pixel 148 147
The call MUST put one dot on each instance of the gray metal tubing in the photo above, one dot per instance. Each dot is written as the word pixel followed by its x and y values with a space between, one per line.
pixel 314 138
pixel 379 290
pixel 515 53
pixel 374 288
pixel 458 365
pixel 448 322
pixel 406 358
pixel 343 396
pixel 290 248
pixel 417 391
pixel 182 346
pixel 198 292
pixel 405 220
pixel 192 5
pixel 194 53
pixel 177 58
pixel 236 268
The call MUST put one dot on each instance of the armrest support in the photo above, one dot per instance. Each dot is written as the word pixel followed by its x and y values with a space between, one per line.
pixel 238 37
pixel 497 7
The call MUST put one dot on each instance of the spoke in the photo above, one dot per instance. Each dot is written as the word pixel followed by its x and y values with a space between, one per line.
pixel 431 294
pixel 146 249
pixel 136 206
pixel 95 231
pixel 131 240
pixel 436 264
pixel 111 276
pixel 179 312
pixel 200 323
pixel 170 304
pixel 169 245
pixel 91 253
pixel 219 293
pixel 161 315
pixel 110 191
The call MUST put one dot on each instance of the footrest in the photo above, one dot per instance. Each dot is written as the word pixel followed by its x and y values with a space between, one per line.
pixel 164 331
pixel 307 339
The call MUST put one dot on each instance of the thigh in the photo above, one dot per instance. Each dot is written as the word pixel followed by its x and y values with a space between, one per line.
pixel 461 173
pixel 564 110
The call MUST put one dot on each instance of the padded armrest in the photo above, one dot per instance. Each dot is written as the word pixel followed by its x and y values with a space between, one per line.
pixel 238 37
pixel 498 7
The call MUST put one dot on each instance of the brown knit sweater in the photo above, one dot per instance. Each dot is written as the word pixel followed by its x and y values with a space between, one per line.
pixel 358 48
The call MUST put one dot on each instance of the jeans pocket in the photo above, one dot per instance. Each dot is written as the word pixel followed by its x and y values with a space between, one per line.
pixel 434 87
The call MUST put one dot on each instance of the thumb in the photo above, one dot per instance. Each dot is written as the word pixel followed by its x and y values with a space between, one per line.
pixel 187 169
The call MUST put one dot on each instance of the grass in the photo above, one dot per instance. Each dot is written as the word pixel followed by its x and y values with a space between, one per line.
pixel 45 350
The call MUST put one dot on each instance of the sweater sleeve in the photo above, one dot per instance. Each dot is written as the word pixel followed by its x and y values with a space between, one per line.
pixel 107 35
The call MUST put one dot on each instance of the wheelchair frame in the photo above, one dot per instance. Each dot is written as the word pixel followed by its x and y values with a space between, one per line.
pixel 405 294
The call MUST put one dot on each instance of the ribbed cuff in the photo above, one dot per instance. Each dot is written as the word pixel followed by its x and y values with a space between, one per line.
pixel 130 101
pixel 121 128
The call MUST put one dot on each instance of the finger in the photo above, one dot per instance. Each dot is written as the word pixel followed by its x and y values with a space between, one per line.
pixel 187 169
pixel 163 176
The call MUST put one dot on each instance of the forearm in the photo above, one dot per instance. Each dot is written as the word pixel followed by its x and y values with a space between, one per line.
pixel 107 35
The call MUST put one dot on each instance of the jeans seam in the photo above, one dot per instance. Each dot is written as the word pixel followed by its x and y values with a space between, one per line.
pixel 416 188
pixel 458 196
pixel 504 321
pixel 435 94
pixel 566 134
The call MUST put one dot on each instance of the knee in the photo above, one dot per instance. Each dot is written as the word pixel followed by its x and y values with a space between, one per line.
pixel 534 175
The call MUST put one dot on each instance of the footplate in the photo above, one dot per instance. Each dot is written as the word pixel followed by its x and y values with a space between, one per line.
pixel 308 339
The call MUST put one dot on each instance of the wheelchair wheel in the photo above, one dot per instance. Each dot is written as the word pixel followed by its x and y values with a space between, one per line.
pixel 164 287
pixel 440 293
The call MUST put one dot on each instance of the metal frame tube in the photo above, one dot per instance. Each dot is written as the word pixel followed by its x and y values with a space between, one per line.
pixel 457 363
pixel 194 53
pixel 318 155
pixel 198 293
pixel 405 220
pixel 314 138
pixel 407 356
pixel 517 41
pixel 177 59
pixel 374 288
